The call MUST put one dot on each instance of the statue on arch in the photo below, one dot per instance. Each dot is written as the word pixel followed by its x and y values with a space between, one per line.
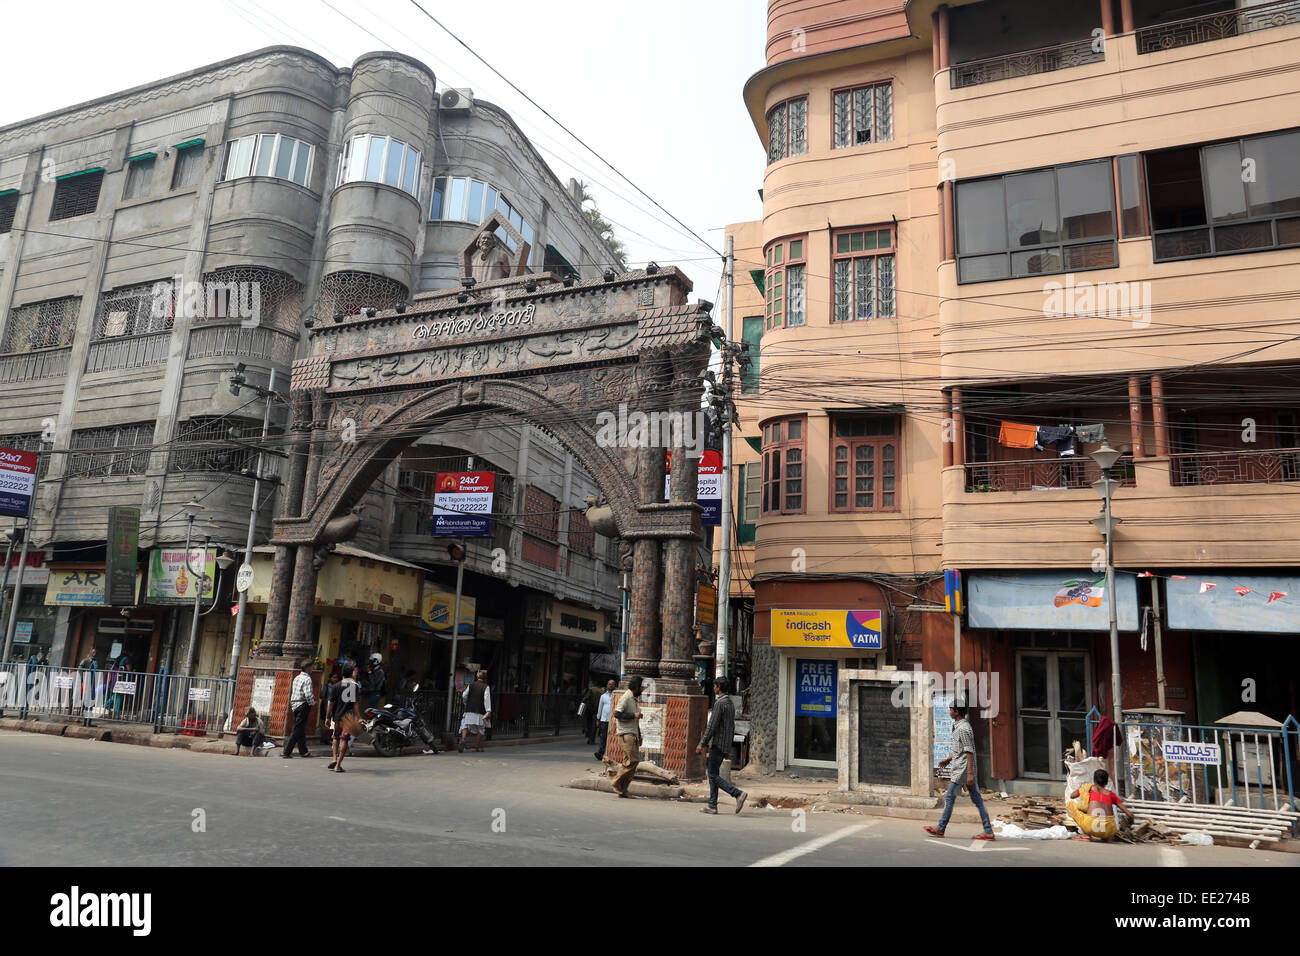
pixel 491 260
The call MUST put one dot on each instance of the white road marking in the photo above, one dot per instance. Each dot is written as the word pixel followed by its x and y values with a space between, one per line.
pixel 1171 857
pixel 980 846
pixel 340 819
pixel 812 846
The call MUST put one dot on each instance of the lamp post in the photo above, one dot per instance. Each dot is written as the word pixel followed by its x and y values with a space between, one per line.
pixel 192 509
pixel 457 554
pixel 18 590
pixel 1105 457
pixel 10 537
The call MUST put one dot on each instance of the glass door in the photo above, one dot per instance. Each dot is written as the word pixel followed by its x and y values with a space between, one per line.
pixel 1054 698
pixel 811 705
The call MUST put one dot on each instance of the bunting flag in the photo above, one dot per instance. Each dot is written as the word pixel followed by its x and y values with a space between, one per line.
pixel 1275 596
pixel 1242 591
pixel 1206 586
pixel 1177 577
pixel 1146 574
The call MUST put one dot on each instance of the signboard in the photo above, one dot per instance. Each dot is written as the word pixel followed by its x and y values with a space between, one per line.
pixel 577 623
pixel 462 504
pixel 63 681
pixel 172 582
pixel 952 602
pixel 79 586
pixel 436 610
pixel 124 687
pixel 706 604
pixel 35 574
pixel 17 482
pixel 200 693
pixel 1232 602
pixel 263 693
pixel 814 690
pixel 491 629
pixel 244 579
pixel 708 488
pixel 1180 751
pixel 1048 601
pixel 942 732
pixel 652 727
pixel 123 555
pixel 825 628
pixel 23 632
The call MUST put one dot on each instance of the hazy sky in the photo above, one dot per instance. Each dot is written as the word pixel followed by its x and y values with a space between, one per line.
pixel 654 88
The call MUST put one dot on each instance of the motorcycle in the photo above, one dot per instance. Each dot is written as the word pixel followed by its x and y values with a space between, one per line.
pixel 393 729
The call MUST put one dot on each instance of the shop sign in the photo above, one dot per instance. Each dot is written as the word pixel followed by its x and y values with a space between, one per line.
pixel 17 482
pixel 200 693
pixel 462 504
pixel 1216 601
pixel 78 586
pixel 535 614
pixel 860 630
pixel 1049 601
pixel 708 488
pixel 652 727
pixel 706 604
pixel 491 629
pixel 23 632
pixel 577 623
pixel 814 692
pixel 172 579
pixel 438 606
pixel 63 681
pixel 35 573
pixel 123 555
pixel 1177 751
pixel 125 688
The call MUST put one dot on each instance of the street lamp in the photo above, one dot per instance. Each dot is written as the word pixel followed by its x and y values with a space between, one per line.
pixel 1105 457
pixel 192 510
pixel 457 553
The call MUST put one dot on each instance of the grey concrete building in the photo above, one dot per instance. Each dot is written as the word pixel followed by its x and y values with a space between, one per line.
pixel 152 239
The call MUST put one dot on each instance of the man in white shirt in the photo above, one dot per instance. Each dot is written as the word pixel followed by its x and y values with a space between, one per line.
pixel 478 711
pixel 602 717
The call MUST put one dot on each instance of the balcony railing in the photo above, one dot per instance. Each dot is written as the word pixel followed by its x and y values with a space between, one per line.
pixel 1234 467
pixel 1012 65
pixel 1044 474
pixel 26 366
pixel 1223 239
pixel 258 342
pixel 137 351
pixel 1217 26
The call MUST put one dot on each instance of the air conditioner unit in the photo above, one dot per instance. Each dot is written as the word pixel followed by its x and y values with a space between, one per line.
pixel 456 99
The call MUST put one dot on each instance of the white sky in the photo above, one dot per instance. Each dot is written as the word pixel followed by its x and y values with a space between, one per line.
pixel 654 88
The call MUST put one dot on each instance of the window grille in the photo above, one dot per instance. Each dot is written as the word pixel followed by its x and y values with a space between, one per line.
pixel 787 129
pixel 42 325
pixel 76 195
pixel 347 293
pixel 864 115
pixel 116 451
pixel 231 459
pixel 135 310
pixel 139 175
pixel 236 291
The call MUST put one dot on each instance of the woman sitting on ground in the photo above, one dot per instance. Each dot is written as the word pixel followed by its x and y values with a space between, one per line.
pixel 1091 807
pixel 248 733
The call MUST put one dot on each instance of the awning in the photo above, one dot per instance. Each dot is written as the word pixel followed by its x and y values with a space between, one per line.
pixel 1225 601
pixel 758 276
pixel 83 172
pixel 1049 601
pixel 188 143
pixel 559 255
pixel 138 157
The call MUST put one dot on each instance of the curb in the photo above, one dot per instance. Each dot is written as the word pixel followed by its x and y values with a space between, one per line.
pixel 651 791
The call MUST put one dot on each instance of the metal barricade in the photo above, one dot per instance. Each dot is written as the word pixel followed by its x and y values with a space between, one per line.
pixel 514 715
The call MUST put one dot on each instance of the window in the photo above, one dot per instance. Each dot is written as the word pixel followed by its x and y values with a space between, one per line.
pixel 76 194
pixel 1223 198
pixel 582 540
pixel 458 199
pixel 1042 222
pixel 381 159
pixel 787 129
pixel 189 164
pixel 785 285
pixel 269 154
pixel 541 529
pixel 1132 210
pixel 864 115
pixel 116 451
pixel 752 335
pixel 134 310
pixel 783 447
pixel 42 325
pixel 139 174
pixel 864 453
pixel 747 527
pixel 8 207
pixel 863 264
pixel 237 436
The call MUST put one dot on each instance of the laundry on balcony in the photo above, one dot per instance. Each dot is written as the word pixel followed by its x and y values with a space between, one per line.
pixel 1016 435
pixel 1090 433
pixel 1060 437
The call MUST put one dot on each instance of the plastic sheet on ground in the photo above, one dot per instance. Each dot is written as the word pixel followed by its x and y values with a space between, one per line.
pixel 1009 831
pixel 1198 837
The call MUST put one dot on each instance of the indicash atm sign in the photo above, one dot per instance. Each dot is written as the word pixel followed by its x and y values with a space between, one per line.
pixel 823 628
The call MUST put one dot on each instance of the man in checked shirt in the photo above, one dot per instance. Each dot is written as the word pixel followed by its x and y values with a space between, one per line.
pixel 961 773
pixel 301 699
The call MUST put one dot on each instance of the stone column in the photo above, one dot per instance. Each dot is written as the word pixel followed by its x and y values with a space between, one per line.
pixel 302 603
pixel 277 607
pixel 643 639
pixel 679 581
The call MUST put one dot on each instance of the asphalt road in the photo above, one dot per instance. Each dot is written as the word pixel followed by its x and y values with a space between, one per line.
pixel 85 803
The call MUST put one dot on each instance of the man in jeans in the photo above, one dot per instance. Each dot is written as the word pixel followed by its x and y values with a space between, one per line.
pixel 603 708
pixel 718 738
pixel 961 770
pixel 301 699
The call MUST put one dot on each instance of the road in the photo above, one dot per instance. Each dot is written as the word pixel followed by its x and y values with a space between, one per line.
pixel 87 803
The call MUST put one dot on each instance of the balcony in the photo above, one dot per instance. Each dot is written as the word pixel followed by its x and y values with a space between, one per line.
pixel 1217 26
pixel 211 341
pixel 136 351
pixel 28 366
pixel 1266 466
pixel 1044 474
pixel 1028 63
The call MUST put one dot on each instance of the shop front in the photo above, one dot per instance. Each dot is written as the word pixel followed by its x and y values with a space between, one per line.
pixel 129 636
pixel 34 627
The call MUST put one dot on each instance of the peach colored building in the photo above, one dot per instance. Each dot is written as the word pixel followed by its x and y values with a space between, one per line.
pixel 994 234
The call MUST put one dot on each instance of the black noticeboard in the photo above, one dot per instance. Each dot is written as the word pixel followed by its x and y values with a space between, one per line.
pixel 123 555
pixel 884 736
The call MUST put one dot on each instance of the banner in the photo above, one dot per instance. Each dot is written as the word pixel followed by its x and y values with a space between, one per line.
pixel 78 586
pixel 171 581
pixel 825 628
pixel 436 610
pixel 462 504
pixel 708 488
pixel 123 555
pixel 17 482
pixel 814 693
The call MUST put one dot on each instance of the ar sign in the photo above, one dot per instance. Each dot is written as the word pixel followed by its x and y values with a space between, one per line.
pixel 1178 751
pixel 17 482
pixel 815 693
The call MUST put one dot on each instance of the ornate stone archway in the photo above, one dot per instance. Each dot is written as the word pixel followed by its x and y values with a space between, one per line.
pixel 553 353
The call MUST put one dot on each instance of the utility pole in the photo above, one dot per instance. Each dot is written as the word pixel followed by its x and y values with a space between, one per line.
pixel 268 394
pixel 457 553
pixel 724 562
pixel 1105 457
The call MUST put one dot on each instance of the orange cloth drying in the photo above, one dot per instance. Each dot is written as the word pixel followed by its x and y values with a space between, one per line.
pixel 1015 435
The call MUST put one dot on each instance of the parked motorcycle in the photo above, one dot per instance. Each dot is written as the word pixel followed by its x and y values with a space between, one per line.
pixel 394 729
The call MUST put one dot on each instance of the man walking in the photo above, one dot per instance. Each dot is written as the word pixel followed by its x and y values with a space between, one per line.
pixel 603 707
pixel 89 666
pixel 961 772
pixel 300 702
pixel 341 710
pixel 478 711
pixel 377 680
pixel 589 705
pixel 718 738
pixel 627 724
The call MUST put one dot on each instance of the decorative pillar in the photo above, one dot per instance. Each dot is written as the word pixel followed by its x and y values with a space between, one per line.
pixel 947 430
pixel 1126 14
pixel 934 40
pixel 958 429
pixel 644 634
pixel 675 661
pixel 949 223
pixel 277 603
pixel 1107 18
pixel 277 606
pixel 302 603
pixel 943 37
pixel 1158 416
pixel 1135 416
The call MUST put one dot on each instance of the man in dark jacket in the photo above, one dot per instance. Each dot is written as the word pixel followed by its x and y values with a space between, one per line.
pixel 718 738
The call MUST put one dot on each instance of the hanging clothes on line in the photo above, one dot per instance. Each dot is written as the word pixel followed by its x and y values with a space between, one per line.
pixel 1016 435
pixel 1060 437
pixel 1090 433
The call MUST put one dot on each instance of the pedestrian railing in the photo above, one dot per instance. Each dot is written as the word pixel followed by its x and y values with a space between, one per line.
pixel 1251 767
pixel 513 715
pixel 189 705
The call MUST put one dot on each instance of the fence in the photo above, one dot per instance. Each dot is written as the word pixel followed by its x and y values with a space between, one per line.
pixel 513 715
pixel 1251 767
pixel 191 705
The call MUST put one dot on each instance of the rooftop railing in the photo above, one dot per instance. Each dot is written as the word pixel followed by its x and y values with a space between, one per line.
pixel 1028 63
pixel 1217 26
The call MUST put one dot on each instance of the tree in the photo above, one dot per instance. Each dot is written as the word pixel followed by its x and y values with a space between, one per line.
pixel 602 226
